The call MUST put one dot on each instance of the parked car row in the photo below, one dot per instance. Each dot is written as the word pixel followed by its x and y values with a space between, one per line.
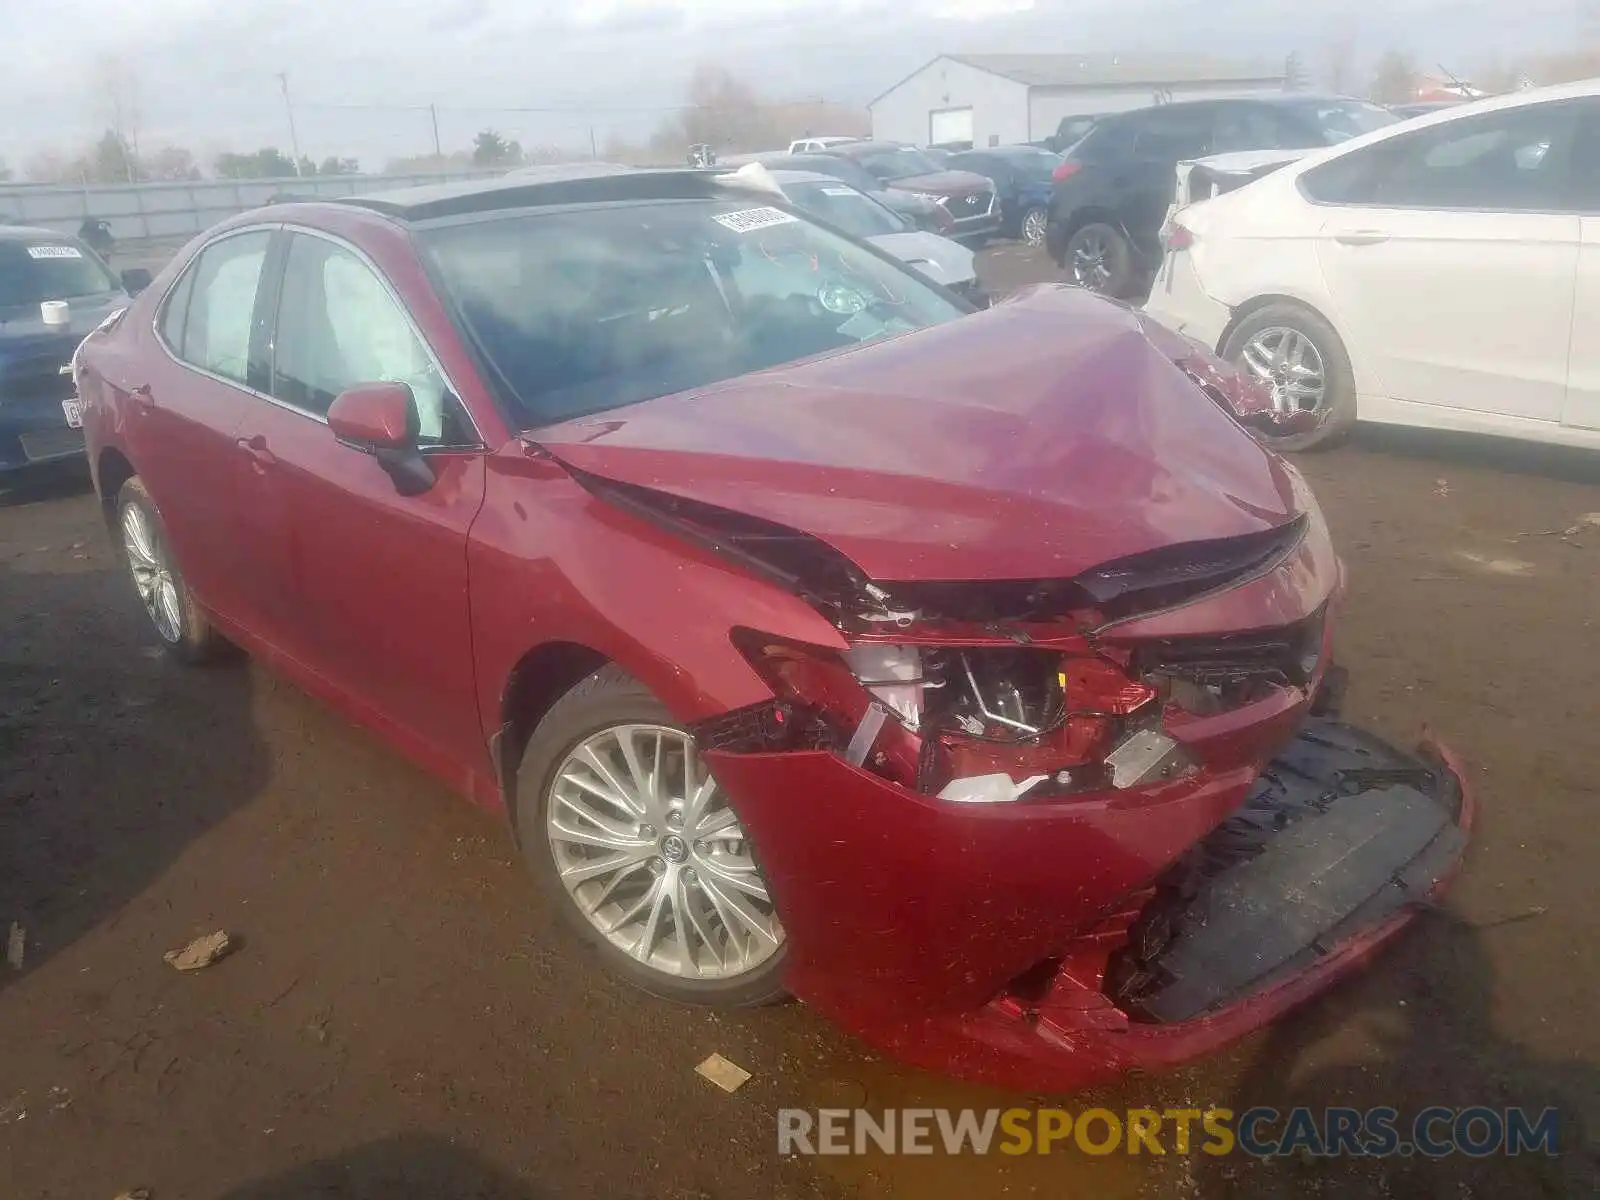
pixel 1444 272
pixel 816 633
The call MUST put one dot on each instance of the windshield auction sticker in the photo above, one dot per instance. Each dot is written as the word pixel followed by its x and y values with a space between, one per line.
pixel 54 252
pixel 748 219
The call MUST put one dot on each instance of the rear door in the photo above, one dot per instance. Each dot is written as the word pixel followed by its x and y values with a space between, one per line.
pixel 1451 259
pixel 1581 408
pixel 1145 180
pixel 187 402
pixel 379 579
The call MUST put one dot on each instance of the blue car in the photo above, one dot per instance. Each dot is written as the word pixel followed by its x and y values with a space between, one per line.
pixel 53 291
pixel 1023 182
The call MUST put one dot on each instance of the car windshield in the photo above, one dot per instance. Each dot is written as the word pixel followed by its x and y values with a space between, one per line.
pixel 841 206
pixel 851 172
pixel 581 310
pixel 32 272
pixel 1341 120
pixel 900 163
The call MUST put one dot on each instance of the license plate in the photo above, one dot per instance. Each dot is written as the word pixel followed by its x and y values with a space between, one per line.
pixel 74 413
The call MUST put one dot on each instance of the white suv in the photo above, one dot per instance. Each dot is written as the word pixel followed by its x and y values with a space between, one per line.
pixel 1441 272
pixel 818 145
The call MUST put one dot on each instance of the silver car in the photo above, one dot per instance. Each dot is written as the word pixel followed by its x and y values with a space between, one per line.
pixel 859 215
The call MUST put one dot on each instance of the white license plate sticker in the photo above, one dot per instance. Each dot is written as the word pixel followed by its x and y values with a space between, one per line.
pixel 54 252
pixel 74 413
pixel 750 219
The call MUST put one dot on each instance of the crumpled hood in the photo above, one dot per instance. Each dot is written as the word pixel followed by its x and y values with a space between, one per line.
pixel 1031 441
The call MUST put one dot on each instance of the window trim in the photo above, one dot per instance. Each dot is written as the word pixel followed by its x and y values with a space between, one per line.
pixel 1568 135
pixel 290 229
pixel 159 316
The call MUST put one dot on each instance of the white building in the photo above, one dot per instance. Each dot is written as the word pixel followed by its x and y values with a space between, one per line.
pixel 1002 99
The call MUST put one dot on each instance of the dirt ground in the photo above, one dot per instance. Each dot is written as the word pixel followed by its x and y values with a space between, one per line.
pixel 401 1020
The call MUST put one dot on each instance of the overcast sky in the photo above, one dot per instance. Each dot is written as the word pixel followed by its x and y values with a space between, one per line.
pixel 206 72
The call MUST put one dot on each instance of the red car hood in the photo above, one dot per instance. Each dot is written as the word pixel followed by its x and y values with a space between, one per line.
pixel 1031 441
pixel 944 183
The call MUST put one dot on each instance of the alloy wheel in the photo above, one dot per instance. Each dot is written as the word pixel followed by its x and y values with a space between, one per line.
pixel 1089 260
pixel 648 849
pixel 1288 362
pixel 1033 227
pixel 152 573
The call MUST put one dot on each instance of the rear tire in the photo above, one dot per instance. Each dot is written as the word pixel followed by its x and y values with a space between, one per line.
pixel 177 619
pixel 1337 409
pixel 596 902
pixel 1099 258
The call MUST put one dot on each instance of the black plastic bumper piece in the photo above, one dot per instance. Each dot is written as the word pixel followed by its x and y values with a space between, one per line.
pixel 1341 832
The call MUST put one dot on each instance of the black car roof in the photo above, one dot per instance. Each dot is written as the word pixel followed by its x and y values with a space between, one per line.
pixel 578 183
pixel 31 233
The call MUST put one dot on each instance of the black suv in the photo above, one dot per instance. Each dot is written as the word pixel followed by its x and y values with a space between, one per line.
pixel 1113 188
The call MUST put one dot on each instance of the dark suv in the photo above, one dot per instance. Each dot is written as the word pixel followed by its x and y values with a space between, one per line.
pixel 1112 189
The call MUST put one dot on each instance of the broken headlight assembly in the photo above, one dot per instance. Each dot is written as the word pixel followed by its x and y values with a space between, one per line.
pixel 978 723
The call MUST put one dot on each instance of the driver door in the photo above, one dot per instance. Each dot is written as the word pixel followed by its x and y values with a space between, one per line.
pixel 380 606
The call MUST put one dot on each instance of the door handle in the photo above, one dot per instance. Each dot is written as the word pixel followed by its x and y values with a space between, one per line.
pixel 256 448
pixel 142 396
pixel 1361 237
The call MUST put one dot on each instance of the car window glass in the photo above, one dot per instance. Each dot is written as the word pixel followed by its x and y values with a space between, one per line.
pixel 1584 182
pixel 338 326
pixel 576 312
pixel 32 272
pixel 1513 161
pixel 1503 161
pixel 221 311
pixel 1249 127
pixel 1174 133
pixel 176 313
pixel 841 206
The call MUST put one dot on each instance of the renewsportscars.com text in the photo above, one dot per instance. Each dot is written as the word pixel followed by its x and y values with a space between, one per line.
pixel 1260 1132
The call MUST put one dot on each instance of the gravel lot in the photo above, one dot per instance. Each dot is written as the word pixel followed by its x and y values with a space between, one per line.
pixel 400 1019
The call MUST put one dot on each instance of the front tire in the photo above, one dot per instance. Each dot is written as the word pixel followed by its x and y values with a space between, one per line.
pixel 629 836
pixel 1295 352
pixel 177 619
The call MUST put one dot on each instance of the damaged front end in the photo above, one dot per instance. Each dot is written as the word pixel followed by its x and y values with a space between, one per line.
pixel 1036 831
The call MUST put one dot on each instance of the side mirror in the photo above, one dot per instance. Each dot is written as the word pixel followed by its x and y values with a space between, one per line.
pixel 380 419
pixel 135 280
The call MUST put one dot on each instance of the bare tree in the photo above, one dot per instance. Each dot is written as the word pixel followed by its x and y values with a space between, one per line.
pixel 5 172
pixel 116 92
pixel 1339 58
pixel 48 166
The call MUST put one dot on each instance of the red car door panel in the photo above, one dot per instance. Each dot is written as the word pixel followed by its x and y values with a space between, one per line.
pixel 186 404
pixel 375 589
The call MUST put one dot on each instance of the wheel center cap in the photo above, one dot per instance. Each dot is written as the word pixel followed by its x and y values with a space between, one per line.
pixel 674 848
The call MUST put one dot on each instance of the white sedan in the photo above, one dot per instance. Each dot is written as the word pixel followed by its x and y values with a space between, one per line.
pixel 1441 272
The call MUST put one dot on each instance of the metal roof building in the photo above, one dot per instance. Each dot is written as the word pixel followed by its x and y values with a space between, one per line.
pixel 1000 99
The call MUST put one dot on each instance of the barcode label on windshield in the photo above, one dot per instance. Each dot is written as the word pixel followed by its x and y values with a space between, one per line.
pixel 53 252
pixel 838 191
pixel 753 218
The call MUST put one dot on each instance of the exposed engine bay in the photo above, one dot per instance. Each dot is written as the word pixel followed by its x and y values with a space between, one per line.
pixel 989 692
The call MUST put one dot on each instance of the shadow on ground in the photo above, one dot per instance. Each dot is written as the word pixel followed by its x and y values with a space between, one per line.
pixel 1436 1044
pixel 1565 463
pixel 112 760
pixel 409 1167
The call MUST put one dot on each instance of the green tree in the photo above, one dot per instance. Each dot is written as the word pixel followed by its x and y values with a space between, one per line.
pixel 1395 80
pixel 489 149
pixel 267 163
pixel 111 160
pixel 334 165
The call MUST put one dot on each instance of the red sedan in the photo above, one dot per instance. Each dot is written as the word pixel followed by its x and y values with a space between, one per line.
pixel 964 674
